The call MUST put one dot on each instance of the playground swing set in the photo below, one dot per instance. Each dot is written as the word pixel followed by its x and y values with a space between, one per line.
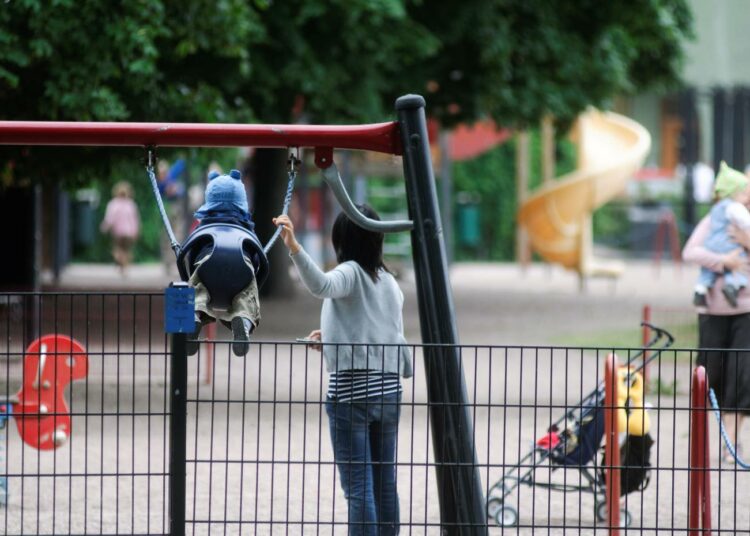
pixel 459 484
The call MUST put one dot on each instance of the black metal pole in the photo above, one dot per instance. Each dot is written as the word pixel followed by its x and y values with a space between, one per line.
pixel 459 485
pixel 719 127
pixel 739 131
pixel 689 152
pixel 177 434
pixel 446 188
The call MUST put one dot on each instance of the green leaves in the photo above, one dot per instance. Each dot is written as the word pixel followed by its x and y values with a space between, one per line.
pixel 522 59
pixel 240 60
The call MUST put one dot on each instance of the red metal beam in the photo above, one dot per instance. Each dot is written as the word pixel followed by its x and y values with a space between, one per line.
pixel 379 137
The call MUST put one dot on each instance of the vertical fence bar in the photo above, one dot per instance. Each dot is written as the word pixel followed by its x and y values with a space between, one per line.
pixel 695 483
pixel 645 337
pixel 4 415
pixel 179 314
pixel 699 516
pixel 612 445
pixel 210 331
pixel 177 434
pixel 458 480
pixel 706 496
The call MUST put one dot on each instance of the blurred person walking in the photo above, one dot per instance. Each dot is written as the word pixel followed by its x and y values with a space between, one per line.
pixel 122 222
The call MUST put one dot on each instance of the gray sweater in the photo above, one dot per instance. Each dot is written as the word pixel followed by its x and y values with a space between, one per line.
pixel 357 309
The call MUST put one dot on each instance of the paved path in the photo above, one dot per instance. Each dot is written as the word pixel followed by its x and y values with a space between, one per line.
pixel 494 302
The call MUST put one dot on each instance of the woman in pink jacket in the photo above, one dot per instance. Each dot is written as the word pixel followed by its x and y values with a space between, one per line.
pixel 721 326
pixel 122 221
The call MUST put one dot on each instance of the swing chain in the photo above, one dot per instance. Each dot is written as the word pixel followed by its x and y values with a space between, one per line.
pixel 150 163
pixel 293 160
pixel 151 157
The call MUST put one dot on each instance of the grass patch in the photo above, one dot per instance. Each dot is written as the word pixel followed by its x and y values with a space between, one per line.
pixel 685 336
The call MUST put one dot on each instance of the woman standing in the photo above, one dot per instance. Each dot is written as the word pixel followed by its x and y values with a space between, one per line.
pixel 722 326
pixel 363 344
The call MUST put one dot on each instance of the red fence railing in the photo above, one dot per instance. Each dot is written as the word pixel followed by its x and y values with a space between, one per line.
pixel 700 465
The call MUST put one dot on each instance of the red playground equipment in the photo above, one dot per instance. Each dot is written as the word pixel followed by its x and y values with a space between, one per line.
pixel 40 409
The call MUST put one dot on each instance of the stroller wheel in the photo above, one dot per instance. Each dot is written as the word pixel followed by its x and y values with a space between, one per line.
pixel 601 514
pixel 625 518
pixel 504 515
pixel 601 511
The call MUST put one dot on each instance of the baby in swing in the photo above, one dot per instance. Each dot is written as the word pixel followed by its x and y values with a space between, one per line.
pixel 226 202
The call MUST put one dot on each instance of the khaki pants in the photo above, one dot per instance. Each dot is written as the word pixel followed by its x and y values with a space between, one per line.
pixel 246 304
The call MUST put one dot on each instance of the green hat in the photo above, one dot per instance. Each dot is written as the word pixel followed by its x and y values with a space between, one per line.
pixel 729 181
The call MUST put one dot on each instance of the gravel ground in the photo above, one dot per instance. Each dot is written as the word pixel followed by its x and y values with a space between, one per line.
pixel 255 465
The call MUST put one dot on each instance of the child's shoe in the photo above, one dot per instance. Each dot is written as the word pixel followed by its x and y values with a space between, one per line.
pixel 699 299
pixel 730 293
pixel 193 344
pixel 241 330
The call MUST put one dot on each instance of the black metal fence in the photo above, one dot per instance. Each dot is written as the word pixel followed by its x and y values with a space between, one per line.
pixel 258 453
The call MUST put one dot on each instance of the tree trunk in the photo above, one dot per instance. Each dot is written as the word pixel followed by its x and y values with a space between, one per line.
pixel 267 170
pixel 18 218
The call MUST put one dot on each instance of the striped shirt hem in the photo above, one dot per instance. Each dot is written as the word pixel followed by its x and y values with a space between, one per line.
pixel 349 385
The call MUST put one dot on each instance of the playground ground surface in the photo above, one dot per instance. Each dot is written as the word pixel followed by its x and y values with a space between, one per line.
pixel 495 304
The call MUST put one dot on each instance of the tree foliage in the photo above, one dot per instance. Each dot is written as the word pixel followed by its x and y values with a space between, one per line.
pixel 140 60
pixel 322 61
pixel 347 60
pixel 137 60
pixel 518 60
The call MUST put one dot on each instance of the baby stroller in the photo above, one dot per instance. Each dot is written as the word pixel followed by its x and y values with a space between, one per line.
pixel 574 440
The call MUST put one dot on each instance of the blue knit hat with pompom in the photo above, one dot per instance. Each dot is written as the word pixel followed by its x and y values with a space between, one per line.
pixel 225 191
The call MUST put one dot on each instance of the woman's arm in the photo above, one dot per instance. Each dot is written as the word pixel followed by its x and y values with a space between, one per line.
pixel 337 283
pixel 695 252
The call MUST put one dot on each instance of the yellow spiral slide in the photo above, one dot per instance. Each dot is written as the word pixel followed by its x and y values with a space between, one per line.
pixel 557 217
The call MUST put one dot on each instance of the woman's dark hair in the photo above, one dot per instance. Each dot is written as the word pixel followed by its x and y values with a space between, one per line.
pixel 352 243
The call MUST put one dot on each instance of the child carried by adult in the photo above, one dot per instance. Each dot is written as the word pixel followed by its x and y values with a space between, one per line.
pixel 732 193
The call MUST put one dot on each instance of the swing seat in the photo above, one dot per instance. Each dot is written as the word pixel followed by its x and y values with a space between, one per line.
pixel 226 272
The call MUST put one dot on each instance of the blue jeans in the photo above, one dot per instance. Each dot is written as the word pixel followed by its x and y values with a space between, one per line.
pixel 364 436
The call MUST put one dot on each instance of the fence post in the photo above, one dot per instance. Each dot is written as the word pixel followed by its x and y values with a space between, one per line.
pixel 177 434
pixel 706 500
pixel 700 476
pixel 5 409
pixel 179 314
pixel 612 445
pixel 462 508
